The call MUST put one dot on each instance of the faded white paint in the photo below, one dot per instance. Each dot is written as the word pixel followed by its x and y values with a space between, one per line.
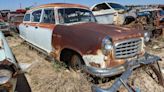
pixel 99 59
pixel 104 16
pixel 40 37
pixel 5 51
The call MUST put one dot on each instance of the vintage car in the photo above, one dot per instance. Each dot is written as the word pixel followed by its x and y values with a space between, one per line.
pixel 159 21
pixel 14 20
pixel 9 67
pixel 112 13
pixel 4 27
pixel 152 20
pixel 70 33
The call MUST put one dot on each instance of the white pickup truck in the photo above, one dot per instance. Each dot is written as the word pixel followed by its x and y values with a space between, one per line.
pixel 111 13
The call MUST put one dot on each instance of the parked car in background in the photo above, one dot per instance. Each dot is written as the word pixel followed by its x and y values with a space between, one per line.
pixel 4 27
pixel 111 13
pixel 152 20
pixel 70 33
pixel 1 18
pixel 4 14
pixel 14 20
pixel 9 68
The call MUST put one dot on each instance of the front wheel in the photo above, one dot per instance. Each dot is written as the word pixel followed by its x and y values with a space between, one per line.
pixel 76 62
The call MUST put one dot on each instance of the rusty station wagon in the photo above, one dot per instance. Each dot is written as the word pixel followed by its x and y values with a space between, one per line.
pixel 70 33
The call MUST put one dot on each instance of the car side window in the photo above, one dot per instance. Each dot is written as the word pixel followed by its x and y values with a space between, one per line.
pixel 36 16
pixel 27 17
pixel 102 6
pixel 49 16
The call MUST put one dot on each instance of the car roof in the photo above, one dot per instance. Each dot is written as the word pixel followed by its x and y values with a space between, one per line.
pixel 60 5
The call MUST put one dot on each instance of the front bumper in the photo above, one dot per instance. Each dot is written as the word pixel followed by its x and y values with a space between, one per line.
pixel 130 66
pixel 108 72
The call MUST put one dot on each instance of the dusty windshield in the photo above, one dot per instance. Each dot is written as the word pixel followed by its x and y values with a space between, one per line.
pixel 117 6
pixel 73 15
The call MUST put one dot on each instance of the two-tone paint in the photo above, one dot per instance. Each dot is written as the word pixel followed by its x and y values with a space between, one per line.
pixel 82 38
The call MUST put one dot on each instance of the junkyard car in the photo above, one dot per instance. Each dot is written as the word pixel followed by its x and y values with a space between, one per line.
pixel 70 33
pixel 151 19
pixel 4 27
pixel 8 67
pixel 111 13
pixel 15 20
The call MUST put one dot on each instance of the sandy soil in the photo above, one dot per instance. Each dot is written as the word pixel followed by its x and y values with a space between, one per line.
pixel 44 76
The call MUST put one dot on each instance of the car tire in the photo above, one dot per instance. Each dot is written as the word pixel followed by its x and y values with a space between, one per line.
pixel 76 62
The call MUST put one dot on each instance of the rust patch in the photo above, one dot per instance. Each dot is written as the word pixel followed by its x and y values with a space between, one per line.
pixel 95 64
pixel 66 5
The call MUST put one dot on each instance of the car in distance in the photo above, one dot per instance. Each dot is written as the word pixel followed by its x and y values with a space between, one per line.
pixel 112 13
pixel 70 33
pixel 4 27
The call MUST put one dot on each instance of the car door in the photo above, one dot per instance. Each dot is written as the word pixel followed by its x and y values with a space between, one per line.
pixel 44 30
pixel 103 13
pixel 23 27
pixel 33 27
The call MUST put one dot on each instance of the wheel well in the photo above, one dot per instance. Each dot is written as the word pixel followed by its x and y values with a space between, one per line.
pixel 66 55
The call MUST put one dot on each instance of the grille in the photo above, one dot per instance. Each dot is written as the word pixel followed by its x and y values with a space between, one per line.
pixel 127 49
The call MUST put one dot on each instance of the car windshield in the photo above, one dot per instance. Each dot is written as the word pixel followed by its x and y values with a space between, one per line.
pixel 162 12
pixel 73 15
pixel 117 6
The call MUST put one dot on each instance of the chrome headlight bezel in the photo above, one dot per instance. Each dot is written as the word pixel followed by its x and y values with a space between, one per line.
pixel 5 76
pixel 107 45
pixel 146 37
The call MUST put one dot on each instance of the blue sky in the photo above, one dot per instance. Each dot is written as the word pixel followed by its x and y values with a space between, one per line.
pixel 14 4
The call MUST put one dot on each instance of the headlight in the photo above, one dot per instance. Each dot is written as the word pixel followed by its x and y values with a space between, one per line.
pixel 5 76
pixel 107 45
pixel 146 36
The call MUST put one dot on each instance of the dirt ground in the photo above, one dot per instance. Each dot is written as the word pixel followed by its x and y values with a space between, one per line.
pixel 44 76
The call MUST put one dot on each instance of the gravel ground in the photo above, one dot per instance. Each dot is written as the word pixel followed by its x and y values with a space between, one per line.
pixel 44 76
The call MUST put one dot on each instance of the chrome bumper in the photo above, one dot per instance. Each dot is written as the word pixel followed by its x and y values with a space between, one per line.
pixel 104 72
pixel 130 66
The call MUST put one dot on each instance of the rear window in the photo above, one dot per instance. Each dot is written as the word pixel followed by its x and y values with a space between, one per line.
pixel 117 6
pixel 27 17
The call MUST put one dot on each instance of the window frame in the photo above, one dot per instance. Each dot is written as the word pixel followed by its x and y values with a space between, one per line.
pixel 57 15
pixel 24 17
pixel 42 15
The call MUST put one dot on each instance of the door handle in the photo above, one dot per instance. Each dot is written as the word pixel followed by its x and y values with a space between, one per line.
pixel 36 27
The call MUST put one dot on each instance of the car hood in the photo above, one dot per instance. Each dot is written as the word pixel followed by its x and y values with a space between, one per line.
pixel 115 32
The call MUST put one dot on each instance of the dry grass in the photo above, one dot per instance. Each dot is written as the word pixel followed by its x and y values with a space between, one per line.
pixel 43 76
